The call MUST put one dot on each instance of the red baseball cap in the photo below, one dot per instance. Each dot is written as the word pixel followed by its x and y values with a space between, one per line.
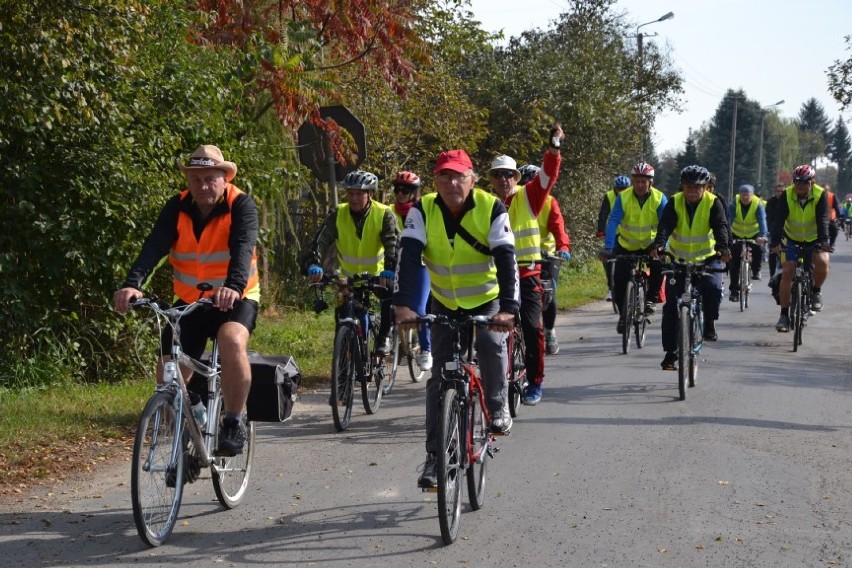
pixel 455 160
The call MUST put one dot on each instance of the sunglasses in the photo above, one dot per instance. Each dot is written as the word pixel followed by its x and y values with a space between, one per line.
pixel 505 174
pixel 404 188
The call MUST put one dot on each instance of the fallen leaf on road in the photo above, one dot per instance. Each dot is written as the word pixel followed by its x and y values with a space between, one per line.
pixel 724 482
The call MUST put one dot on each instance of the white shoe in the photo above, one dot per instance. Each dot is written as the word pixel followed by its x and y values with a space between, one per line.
pixel 424 360
pixel 609 295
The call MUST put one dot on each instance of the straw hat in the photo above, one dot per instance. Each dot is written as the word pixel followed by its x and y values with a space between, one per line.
pixel 209 156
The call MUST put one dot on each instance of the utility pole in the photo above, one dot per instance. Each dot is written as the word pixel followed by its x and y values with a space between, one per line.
pixel 640 73
pixel 733 151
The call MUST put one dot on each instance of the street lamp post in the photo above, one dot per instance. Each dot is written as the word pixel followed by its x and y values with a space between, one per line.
pixel 760 143
pixel 639 38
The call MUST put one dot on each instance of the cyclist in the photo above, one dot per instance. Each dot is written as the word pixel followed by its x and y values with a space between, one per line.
pixel 834 216
pixel 748 221
pixel 695 226
pixel 607 203
pixel 463 235
pixel 801 218
pixel 525 204
pixel 771 206
pixel 631 228
pixel 365 234
pixel 209 232
pixel 555 242
pixel 711 187
pixel 406 189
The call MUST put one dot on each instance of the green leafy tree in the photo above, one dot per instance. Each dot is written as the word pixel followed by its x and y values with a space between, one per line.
pixel 840 79
pixel 840 151
pixel 814 129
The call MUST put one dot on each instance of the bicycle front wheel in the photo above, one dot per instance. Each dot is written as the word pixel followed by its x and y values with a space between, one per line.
pixel 372 385
pixel 395 340
pixel 683 351
pixel 413 349
pixel 696 341
pixel 628 313
pixel 231 474
pixel 744 284
pixel 343 367
pixel 479 435
pixel 449 463
pixel 517 372
pixel 157 474
pixel 797 311
pixel 640 322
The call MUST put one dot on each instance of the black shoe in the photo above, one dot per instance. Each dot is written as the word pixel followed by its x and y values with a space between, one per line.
pixel 710 331
pixel 816 302
pixel 650 308
pixel 783 324
pixel 755 276
pixel 669 362
pixel 383 346
pixel 232 438
pixel 735 296
pixel 429 478
pixel 620 327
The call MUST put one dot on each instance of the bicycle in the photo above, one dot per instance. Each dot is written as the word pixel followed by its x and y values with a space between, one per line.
pixel 635 293
pixel 171 447
pixel 517 369
pixel 800 295
pixel 745 269
pixel 406 344
pixel 465 440
pixel 847 227
pixel 354 357
pixel 690 328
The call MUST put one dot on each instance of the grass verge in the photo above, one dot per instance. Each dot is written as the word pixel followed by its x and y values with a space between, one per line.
pixel 49 432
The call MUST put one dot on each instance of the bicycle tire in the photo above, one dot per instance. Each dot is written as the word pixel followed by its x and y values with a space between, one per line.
pixel 413 350
pixel 395 341
pixel 696 340
pixel 744 274
pixel 640 324
pixel 231 475
pixel 155 504
pixel 479 435
pixel 344 362
pixel 518 380
pixel 628 313
pixel 449 464
pixel 372 386
pixel 683 351
pixel 797 312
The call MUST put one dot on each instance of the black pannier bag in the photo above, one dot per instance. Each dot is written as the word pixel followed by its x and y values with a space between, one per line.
pixel 274 384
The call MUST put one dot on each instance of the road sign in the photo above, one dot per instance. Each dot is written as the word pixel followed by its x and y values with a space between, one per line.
pixel 314 150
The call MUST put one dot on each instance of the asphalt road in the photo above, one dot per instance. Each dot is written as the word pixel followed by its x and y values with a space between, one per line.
pixel 610 469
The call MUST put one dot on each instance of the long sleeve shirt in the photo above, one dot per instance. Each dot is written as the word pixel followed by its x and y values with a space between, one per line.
pixel 617 215
pixel 760 216
pixel 556 227
pixel 414 241
pixel 241 241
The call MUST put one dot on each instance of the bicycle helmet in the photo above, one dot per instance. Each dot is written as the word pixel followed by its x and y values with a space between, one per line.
pixel 695 175
pixel 621 182
pixel 359 179
pixel 804 173
pixel 643 169
pixel 528 172
pixel 407 178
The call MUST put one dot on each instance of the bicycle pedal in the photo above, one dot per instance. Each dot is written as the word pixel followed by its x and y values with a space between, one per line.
pixel 501 433
pixel 429 489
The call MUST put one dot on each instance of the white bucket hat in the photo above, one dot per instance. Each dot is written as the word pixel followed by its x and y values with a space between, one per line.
pixel 505 163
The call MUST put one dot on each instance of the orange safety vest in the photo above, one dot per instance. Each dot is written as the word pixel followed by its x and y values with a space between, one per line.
pixel 832 212
pixel 207 260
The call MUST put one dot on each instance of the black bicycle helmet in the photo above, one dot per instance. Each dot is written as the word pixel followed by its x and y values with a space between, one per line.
pixel 528 172
pixel 695 175
pixel 359 179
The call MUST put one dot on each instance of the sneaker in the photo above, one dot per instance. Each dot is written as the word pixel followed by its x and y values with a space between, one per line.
pixel 609 295
pixel 551 344
pixel 532 395
pixel 783 324
pixel 650 308
pixel 232 437
pixel 816 301
pixel 383 346
pixel 501 421
pixel 619 328
pixel 755 275
pixel 669 362
pixel 735 296
pixel 710 331
pixel 424 360
pixel 429 478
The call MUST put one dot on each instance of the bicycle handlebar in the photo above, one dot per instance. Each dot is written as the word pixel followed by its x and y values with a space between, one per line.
pixel 172 313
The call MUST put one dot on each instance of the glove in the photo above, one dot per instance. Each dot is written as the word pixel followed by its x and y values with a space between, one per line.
pixel 600 234
pixel 555 139
pixel 605 254
pixel 564 255
pixel 314 272
pixel 386 277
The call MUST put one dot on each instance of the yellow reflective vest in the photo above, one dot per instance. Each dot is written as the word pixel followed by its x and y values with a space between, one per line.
pixel 548 241
pixel 693 241
pixel 638 227
pixel 748 227
pixel 365 254
pixel 525 227
pixel 459 275
pixel 801 225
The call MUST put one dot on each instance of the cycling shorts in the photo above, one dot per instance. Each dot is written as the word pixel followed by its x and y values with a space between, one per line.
pixel 204 324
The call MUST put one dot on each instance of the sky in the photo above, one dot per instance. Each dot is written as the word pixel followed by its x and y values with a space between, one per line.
pixel 772 49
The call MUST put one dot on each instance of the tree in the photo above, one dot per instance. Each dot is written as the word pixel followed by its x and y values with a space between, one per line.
pixel 814 129
pixel 840 151
pixel 840 79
